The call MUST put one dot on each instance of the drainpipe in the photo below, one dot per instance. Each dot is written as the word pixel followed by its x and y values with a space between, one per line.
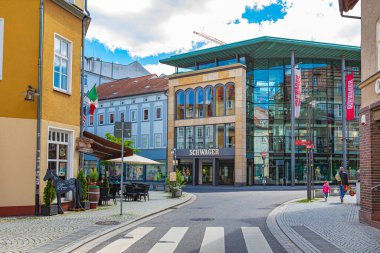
pixel 85 18
pixel 39 103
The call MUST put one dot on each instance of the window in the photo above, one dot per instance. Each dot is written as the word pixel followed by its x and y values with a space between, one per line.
pixel 101 119
pixel 122 116
pixel 91 120
pixel 145 114
pixel 209 94
pixel 58 152
pixel 158 113
pixel 158 98
pixel 219 95
pixel 145 99
pixel 230 135
pixel 220 136
pixel 111 119
pixel 85 80
pixel 1 46
pixel 189 104
pixel 134 141
pixel 157 140
pixel 180 105
pixel 133 115
pixel 199 137
pixel 62 64
pixel 189 138
pixel 209 136
pixel 145 141
pixel 230 100
pixel 199 99
pixel 180 138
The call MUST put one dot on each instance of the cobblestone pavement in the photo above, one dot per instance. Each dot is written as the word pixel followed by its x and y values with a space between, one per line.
pixel 44 234
pixel 331 222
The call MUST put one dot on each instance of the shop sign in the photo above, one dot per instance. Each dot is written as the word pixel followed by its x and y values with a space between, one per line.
pixel 84 145
pixel 204 152
pixel 173 176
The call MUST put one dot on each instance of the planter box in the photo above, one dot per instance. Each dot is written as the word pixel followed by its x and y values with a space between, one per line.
pixel 176 193
pixel 49 210
pixel 167 188
pixel 85 204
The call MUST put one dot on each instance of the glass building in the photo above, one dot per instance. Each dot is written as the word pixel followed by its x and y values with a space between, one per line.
pixel 234 101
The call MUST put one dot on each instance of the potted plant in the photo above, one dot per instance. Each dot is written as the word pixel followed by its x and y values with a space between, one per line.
pixel 104 188
pixel 93 189
pixel 167 184
pixel 49 209
pixel 84 200
pixel 176 188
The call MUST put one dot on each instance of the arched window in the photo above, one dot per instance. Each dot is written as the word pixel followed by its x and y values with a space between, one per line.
pixel 230 99
pixel 209 94
pixel 219 103
pixel 189 104
pixel 180 104
pixel 199 100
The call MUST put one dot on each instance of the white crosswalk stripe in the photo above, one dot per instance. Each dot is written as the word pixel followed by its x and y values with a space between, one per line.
pixel 255 240
pixel 128 240
pixel 213 240
pixel 169 242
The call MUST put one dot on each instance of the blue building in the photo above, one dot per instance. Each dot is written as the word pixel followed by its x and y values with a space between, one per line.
pixel 143 102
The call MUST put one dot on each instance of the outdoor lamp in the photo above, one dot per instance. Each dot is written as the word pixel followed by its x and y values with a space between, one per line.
pixel 30 93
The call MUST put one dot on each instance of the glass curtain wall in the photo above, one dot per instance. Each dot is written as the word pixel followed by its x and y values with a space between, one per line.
pixel 269 112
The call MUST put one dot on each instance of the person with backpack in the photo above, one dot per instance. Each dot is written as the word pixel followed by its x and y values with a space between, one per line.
pixel 342 179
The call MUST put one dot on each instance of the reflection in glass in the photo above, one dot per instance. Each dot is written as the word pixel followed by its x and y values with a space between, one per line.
pixel 209 102
pixel 199 100
pixel 209 136
pixel 219 103
pixel 220 136
pixel 180 137
pixel 180 105
pixel 199 137
pixel 230 135
pixel 230 100
pixel 189 138
pixel 189 104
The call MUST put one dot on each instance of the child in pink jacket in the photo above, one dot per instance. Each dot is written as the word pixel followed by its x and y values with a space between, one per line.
pixel 326 189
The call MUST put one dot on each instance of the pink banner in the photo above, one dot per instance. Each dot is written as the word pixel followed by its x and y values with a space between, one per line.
pixel 297 91
pixel 350 97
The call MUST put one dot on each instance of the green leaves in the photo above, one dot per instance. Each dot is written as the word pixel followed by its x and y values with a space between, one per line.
pixel 127 143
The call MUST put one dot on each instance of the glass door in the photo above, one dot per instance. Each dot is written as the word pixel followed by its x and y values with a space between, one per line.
pixel 206 171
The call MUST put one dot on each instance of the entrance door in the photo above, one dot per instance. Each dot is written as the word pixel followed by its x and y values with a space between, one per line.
pixel 205 172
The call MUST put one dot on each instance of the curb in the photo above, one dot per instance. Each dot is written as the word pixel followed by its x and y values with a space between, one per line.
pixel 90 239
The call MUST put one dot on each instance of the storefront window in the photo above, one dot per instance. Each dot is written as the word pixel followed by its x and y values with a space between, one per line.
pixel 180 137
pixel 199 137
pixel 209 102
pixel 156 172
pixel 220 136
pixel 189 138
pixel 186 168
pixel 180 105
pixel 189 104
pixel 135 172
pixel 219 103
pixel 199 100
pixel 58 148
pixel 230 135
pixel 226 171
pixel 230 100
pixel 209 136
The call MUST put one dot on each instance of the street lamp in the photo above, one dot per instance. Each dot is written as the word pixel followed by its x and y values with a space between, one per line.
pixel 173 151
pixel 30 93
pixel 309 150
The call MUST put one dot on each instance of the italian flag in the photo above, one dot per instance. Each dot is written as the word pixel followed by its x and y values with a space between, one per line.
pixel 93 96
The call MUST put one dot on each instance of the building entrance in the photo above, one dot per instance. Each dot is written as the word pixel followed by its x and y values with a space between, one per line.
pixel 205 171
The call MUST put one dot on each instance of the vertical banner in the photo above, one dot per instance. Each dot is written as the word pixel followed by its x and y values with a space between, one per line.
pixel 297 91
pixel 350 97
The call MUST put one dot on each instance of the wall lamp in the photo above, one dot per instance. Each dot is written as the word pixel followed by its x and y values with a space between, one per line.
pixel 30 93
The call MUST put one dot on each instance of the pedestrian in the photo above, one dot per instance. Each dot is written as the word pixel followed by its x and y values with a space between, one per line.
pixel 342 179
pixel 326 189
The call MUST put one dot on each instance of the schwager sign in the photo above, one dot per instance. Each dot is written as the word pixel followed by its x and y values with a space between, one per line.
pixel 205 152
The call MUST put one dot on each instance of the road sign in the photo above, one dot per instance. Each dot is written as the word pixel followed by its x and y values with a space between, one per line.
pixel 127 129
pixel 263 154
pixel 304 143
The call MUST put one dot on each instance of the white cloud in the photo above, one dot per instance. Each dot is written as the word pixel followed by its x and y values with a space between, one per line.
pixel 151 27
pixel 160 69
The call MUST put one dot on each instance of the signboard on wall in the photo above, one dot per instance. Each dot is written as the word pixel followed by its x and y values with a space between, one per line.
pixel 173 176
pixel 206 152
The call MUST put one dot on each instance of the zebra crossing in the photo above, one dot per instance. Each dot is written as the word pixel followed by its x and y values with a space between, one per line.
pixel 213 240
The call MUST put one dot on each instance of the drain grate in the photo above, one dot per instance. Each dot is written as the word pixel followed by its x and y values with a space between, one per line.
pixel 202 219
pixel 107 223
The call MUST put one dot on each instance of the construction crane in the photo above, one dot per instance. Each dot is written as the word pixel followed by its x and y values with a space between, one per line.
pixel 208 37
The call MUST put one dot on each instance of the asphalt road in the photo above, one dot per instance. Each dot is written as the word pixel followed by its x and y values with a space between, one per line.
pixel 227 209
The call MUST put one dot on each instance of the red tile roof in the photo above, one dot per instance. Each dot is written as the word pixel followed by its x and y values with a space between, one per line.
pixel 132 86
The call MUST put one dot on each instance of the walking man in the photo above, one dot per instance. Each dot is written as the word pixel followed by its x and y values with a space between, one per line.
pixel 342 179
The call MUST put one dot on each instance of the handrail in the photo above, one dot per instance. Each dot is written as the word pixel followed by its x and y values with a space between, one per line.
pixel 376 186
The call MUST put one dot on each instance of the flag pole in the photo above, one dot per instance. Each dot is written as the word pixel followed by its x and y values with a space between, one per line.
pixel 293 139
pixel 344 121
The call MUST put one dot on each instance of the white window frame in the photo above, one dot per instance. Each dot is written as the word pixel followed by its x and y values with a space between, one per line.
pixel 100 114
pixel 155 112
pixel 145 141
pixel 69 63
pixel 134 141
pixel 157 137
pixel 109 118
pixel 134 119
pixel 143 110
pixel 89 120
pixel 1 46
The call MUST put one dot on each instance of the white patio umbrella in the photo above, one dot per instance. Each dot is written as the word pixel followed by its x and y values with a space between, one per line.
pixel 134 159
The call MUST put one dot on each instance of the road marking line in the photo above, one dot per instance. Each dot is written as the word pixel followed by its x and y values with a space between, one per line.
pixel 255 240
pixel 213 240
pixel 169 242
pixel 126 242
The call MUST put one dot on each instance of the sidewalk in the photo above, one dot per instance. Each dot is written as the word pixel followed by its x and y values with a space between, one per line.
pixel 323 227
pixel 45 234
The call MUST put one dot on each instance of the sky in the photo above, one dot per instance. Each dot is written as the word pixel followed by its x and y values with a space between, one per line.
pixel 123 31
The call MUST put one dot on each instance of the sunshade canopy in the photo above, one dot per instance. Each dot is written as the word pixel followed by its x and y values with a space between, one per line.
pixel 134 159
pixel 105 149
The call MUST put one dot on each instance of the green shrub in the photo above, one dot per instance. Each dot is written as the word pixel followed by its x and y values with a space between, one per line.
pixel 94 176
pixel 49 193
pixel 81 177
pixel 106 183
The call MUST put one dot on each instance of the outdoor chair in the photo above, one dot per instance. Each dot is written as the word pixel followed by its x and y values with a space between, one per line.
pixel 129 192
pixel 112 193
pixel 145 192
pixel 104 196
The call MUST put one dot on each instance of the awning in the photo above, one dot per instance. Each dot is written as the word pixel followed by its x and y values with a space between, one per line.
pixel 105 149
pixel 134 159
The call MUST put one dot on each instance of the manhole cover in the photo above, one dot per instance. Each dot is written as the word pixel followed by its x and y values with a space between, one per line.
pixel 107 222
pixel 202 219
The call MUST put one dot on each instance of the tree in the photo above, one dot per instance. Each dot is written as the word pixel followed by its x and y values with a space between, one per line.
pixel 127 143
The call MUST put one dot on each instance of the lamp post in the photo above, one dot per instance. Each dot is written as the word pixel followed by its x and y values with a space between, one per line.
pixel 309 150
pixel 263 156
pixel 173 151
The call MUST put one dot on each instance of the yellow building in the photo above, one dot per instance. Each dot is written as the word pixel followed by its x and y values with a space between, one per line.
pixel 30 29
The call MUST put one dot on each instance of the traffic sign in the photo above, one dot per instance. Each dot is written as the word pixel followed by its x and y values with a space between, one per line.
pixel 127 129
pixel 263 154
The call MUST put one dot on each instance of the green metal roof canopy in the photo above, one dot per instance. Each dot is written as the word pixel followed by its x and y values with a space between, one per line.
pixel 266 47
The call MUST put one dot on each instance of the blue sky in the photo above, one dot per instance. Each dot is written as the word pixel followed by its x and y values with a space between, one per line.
pixel 150 30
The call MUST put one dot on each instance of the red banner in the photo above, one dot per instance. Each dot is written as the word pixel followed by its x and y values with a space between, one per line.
pixel 297 92
pixel 350 97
